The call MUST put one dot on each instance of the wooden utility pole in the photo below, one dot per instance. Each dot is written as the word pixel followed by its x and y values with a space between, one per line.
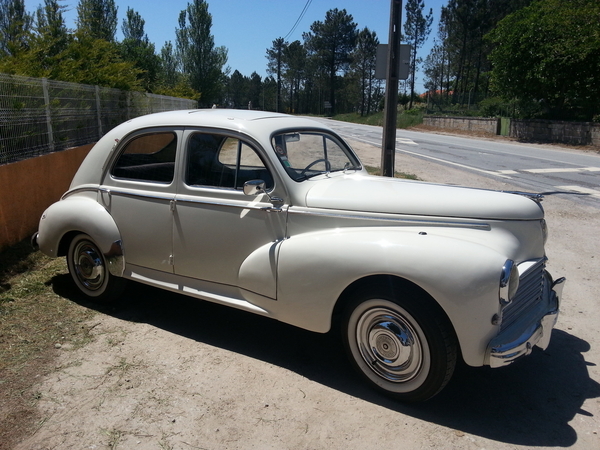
pixel 388 148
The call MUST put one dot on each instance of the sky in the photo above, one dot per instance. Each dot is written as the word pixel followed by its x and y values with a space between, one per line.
pixel 247 28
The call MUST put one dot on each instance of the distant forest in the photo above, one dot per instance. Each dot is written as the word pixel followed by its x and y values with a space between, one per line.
pixel 516 58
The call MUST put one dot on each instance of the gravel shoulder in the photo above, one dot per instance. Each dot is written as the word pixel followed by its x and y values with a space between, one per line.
pixel 169 372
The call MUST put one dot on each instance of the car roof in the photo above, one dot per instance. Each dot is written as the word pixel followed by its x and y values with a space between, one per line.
pixel 222 118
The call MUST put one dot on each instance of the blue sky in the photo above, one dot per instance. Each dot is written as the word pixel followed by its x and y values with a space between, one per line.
pixel 248 27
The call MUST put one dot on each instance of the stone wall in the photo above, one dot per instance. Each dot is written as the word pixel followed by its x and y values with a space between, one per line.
pixel 480 124
pixel 574 133
pixel 28 187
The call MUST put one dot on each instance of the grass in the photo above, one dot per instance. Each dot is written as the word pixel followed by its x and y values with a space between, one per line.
pixel 405 119
pixel 35 324
pixel 377 171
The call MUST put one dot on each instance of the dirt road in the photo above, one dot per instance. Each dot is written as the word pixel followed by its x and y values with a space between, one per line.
pixel 169 372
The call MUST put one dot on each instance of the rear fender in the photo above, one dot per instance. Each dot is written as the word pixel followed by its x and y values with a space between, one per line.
pixel 73 215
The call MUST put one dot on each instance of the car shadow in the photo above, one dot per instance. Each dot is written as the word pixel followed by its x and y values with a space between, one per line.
pixel 529 403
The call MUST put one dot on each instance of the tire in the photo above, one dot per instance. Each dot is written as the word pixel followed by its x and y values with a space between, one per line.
pixel 90 273
pixel 402 347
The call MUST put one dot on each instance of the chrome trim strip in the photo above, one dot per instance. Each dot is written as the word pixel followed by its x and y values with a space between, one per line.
pixel 439 223
pixel 81 189
pixel 134 195
pixel 229 205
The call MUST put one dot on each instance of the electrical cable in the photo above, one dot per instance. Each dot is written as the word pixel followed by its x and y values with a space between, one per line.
pixel 308 2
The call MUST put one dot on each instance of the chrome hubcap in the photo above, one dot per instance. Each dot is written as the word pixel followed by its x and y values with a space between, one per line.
pixel 389 344
pixel 89 265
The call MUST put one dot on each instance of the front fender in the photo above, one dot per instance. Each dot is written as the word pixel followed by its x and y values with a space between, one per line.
pixel 462 276
pixel 85 215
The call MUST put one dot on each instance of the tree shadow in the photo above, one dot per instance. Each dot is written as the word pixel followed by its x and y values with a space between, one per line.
pixel 529 403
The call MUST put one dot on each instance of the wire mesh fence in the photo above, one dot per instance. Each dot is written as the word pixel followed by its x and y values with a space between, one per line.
pixel 39 116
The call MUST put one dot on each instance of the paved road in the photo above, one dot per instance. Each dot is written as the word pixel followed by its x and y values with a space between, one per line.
pixel 536 168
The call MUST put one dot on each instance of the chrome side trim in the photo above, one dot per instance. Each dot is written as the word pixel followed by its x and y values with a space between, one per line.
pixel 115 259
pixel 228 205
pixel 408 222
pixel 77 190
pixel 138 195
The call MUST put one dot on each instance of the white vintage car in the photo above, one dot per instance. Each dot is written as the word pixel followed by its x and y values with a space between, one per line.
pixel 275 215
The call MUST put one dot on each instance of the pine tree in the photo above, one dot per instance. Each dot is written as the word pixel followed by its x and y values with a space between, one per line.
pixel 97 19
pixel 416 29
pixel 330 43
pixel 200 59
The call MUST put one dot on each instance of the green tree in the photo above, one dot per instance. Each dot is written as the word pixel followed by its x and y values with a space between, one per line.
pixel 15 27
pixel 330 43
pixel 416 29
pixel 200 59
pixel 294 57
pixel 50 27
pixel 137 48
pixel 275 66
pixel 363 64
pixel 549 54
pixel 97 19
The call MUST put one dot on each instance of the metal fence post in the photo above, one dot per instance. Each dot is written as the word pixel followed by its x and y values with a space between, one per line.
pixel 48 115
pixel 99 112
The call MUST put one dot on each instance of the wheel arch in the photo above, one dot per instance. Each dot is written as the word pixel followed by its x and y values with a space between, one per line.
pixel 391 284
pixel 65 219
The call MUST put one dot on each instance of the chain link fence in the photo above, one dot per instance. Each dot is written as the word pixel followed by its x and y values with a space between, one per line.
pixel 39 116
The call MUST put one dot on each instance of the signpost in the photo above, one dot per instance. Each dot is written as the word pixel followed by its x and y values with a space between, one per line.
pixel 388 148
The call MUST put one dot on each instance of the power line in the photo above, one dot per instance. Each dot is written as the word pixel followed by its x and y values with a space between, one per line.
pixel 308 2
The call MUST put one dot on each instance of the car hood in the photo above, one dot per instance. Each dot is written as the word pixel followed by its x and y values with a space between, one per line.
pixel 396 196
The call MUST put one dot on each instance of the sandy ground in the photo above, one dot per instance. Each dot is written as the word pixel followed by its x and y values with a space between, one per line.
pixel 169 372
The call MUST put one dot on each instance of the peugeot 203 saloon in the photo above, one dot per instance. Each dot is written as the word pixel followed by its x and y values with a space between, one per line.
pixel 276 215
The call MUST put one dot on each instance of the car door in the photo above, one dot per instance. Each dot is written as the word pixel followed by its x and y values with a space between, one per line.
pixel 138 191
pixel 220 233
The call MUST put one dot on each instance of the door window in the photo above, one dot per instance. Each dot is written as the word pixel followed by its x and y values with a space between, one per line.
pixel 150 157
pixel 223 161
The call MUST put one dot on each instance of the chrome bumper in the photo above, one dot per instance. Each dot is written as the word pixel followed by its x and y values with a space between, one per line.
pixel 532 330
pixel 34 242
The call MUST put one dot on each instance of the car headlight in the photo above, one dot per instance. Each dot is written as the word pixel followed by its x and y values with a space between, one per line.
pixel 509 282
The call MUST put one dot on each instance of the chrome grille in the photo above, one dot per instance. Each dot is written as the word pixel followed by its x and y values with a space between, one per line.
pixel 529 294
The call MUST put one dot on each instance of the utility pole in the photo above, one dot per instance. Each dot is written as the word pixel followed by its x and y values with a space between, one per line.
pixel 388 148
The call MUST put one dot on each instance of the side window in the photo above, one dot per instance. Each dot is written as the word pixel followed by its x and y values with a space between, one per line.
pixel 221 161
pixel 150 157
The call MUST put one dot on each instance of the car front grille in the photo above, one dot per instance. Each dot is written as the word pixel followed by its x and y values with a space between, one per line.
pixel 529 294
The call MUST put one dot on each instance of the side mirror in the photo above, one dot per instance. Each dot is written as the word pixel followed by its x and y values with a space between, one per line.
pixel 254 187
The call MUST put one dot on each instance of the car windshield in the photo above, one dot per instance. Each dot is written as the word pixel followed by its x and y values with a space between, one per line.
pixel 305 154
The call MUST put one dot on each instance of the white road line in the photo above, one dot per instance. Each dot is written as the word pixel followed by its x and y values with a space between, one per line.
pixel 563 170
pixel 443 161
pixel 581 190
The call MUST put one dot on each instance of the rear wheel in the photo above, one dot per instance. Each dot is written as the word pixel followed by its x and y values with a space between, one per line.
pixel 400 346
pixel 89 271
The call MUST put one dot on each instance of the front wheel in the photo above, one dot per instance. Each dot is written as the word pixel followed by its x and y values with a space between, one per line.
pixel 401 347
pixel 88 268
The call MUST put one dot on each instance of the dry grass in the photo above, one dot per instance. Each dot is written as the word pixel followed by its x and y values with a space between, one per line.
pixel 35 325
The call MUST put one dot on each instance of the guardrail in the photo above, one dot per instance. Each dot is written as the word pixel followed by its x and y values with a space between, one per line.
pixel 39 116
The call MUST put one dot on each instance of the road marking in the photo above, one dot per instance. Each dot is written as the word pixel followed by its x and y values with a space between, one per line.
pixel 508 172
pixel 405 141
pixel 563 170
pixel 443 161
pixel 581 190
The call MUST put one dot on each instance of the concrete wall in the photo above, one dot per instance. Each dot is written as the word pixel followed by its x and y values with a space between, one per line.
pixel 464 123
pixel 28 187
pixel 574 133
